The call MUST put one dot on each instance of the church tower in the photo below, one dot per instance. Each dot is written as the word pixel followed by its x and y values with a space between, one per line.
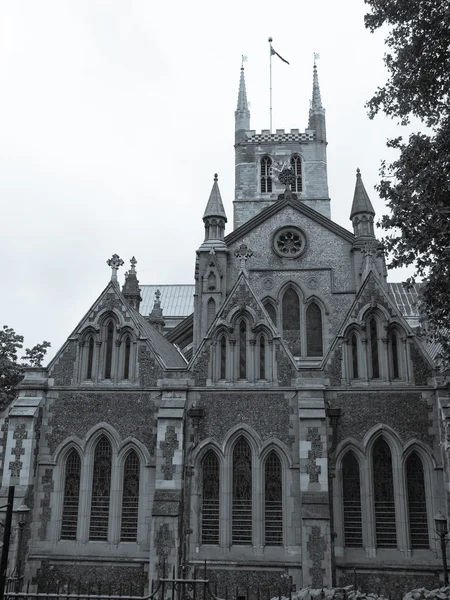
pixel 259 158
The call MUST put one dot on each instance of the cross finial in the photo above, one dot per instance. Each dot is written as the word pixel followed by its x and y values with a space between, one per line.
pixel 316 57
pixel 114 262
pixel 157 295
pixel 243 253
pixel 133 263
pixel 244 59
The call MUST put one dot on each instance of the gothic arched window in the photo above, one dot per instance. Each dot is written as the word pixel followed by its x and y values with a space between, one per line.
pixel 90 358
pixel 417 504
pixel 223 357
pixel 210 312
pixel 109 349
pixel 126 364
pixel 394 356
pixel 270 308
pixel 242 494
pixel 351 496
pixel 291 321
pixel 71 501
pixel 374 361
pixel 101 490
pixel 383 485
pixel 266 180
pixel 262 357
pixel 296 166
pixel 210 498
pixel 273 501
pixel 314 339
pixel 130 498
pixel 354 355
pixel 243 350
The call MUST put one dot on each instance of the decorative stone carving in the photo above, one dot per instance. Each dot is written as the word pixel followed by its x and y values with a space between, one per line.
pixel 168 447
pixel 20 434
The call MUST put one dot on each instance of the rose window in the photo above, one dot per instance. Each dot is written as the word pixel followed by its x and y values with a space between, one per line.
pixel 289 242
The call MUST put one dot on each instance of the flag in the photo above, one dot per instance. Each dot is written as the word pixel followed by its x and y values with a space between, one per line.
pixel 272 52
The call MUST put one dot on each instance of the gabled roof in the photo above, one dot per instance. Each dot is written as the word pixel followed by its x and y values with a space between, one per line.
pixel 279 205
pixel 176 300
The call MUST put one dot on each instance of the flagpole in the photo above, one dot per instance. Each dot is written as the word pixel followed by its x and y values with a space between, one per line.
pixel 270 74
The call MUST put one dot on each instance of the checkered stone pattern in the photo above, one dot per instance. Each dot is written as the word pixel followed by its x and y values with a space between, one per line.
pixel 258 138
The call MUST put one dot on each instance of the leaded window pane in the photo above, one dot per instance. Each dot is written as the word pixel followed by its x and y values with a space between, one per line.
pixel 354 350
pixel 383 483
pixel 130 498
pixel 90 360
pixel 210 312
pixel 271 312
pixel 351 492
pixel 262 358
pixel 109 350
pixel 296 166
pixel 71 497
pixel 223 358
pixel 266 180
pixel 126 366
pixel 291 321
pixel 417 503
pixel 242 493
pixel 394 350
pixel 210 499
pixel 273 501
pixel 101 490
pixel 243 350
pixel 314 341
pixel 374 349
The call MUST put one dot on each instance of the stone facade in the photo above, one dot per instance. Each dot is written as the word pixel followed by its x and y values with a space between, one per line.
pixel 303 407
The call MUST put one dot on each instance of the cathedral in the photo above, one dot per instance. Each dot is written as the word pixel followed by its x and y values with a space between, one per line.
pixel 279 422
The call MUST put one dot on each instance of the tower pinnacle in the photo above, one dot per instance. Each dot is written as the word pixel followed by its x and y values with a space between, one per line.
pixel 316 110
pixel 214 218
pixel 130 289
pixel 242 113
pixel 362 212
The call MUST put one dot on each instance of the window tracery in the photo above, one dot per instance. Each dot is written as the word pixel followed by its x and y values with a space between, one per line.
pixel 69 522
pixel 210 498
pixel 417 504
pixel 351 495
pixel 101 490
pixel 296 166
pixel 273 501
pixel 130 498
pixel 383 484
pixel 242 493
pixel 266 179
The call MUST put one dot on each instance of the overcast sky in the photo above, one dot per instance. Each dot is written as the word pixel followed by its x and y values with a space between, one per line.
pixel 115 115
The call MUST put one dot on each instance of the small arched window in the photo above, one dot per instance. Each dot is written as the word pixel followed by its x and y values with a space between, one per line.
pixel 210 498
pixel 383 485
pixel 109 349
pixel 417 502
pixel 130 498
pixel 262 357
pixel 266 179
pixel 291 321
pixel 210 312
pixel 126 364
pixel 394 355
pixel 314 338
pixel 242 494
pixel 69 521
pixel 243 350
pixel 223 357
pixel 375 364
pixel 296 166
pixel 101 491
pixel 270 308
pixel 90 358
pixel 354 355
pixel 351 495
pixel 273 501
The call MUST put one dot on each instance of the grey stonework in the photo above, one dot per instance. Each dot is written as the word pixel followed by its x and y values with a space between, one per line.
pixel 63 371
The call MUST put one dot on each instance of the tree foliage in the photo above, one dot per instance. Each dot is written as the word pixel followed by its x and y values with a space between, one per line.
pixel 11 371
pixel 416 186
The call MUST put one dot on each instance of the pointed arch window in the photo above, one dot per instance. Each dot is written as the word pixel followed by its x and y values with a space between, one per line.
pixel 383 484
pixel 210 312
pixel 223 357
pixel 314 336
pixel 351 494
pixel 242 494
pixel 262 357
pixel 270 308
pixel 210 498
pixel 273 501
pixel 291 321
pixel 296 166
pixel 109 349
pixel 101 490
pixel 126 365
pixel 266 180
pixel 394 355
pixel 354 354
pixel 417 504
pixel 243 350
pixel 130 498
pixel 90 358
pixel 374 360
pixel 71 501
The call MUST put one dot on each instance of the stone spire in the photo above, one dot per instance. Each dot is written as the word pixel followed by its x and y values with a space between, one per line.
pixel 316 110
pixel 156 316
pixel 214 216
pixel 362 213
pixel 131 290
pixel 242 113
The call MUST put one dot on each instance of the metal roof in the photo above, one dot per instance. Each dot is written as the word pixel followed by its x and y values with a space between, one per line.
pixel 176 300
pixel 406 299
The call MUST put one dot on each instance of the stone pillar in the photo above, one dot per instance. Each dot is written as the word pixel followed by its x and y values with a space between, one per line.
pixel 167 502
pixel 316 535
